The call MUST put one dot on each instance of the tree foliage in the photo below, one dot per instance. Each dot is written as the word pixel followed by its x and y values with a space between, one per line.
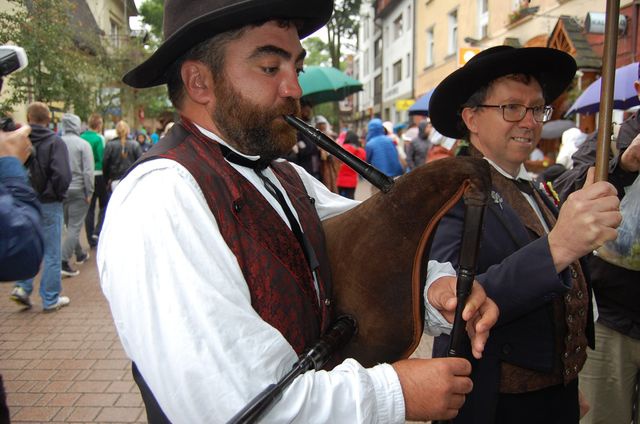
pixel 152 12
pixel 317 52
pixel 114 94
pixel 65 59
pixel 342 27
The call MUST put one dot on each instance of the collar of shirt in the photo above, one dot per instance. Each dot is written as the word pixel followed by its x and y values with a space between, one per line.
pixel 523 175
pixel 522 172
pixel 215 137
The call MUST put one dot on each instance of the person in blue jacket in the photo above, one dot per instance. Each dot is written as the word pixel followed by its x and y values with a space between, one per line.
pixel 381 152
pixel 21 242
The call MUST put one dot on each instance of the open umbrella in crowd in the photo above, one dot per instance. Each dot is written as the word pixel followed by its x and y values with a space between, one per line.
pixel 624 94
pixel 322 84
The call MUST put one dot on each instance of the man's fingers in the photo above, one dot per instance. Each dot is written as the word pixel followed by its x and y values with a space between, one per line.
pixel 24 130
pixel 442 294
pixel 596 191
pixel 591 176
pixel 456 401
pixel 462 385
pixel 459 367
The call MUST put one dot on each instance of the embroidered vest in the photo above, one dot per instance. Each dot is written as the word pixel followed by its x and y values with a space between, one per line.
pixel 569 312
pixel 272 261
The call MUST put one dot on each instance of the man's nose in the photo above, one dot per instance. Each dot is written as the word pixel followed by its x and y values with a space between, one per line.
pixel 290 86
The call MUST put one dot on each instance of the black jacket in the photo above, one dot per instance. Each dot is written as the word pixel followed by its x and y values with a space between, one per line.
pixel 53 157
pixel 117 159
pixel 616 289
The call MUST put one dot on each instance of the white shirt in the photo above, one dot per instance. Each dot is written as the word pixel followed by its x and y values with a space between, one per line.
pixel 183 310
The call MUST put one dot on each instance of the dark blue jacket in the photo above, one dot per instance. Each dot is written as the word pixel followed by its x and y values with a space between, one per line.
pixel 53 157
pixel 517 272
pixel 381 152
pixel 21 242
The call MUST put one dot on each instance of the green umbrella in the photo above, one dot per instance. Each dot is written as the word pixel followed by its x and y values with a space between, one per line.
pixel 321 84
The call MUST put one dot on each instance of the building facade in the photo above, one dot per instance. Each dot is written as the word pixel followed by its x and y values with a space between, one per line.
pixel 443 29
pixel 368 66
pixel 397 20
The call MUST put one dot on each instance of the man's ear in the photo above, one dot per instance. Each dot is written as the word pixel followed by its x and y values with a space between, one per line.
pixel 469 117
pixel 197 81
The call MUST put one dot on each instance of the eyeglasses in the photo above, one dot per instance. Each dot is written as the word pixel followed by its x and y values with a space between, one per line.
pixel 516 113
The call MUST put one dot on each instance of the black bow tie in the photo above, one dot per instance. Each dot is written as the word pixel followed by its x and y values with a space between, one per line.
pixel 257 165
pixel 524 186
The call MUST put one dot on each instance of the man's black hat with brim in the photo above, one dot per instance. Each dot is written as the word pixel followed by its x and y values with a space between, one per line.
pixel 189 22
pixel 552 68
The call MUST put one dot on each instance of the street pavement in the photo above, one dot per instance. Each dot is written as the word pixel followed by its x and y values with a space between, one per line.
pixel 68 366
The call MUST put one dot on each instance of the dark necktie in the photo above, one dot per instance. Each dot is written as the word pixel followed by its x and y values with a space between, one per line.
pixel 259 166
pixel 524 186
pixel 527 187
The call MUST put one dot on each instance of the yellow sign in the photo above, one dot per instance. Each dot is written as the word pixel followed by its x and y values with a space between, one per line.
pixel 404 104
pixel 466 53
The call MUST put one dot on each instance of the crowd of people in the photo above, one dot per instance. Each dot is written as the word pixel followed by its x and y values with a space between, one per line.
pixel 73 170
pixel 391 150
pixel 235 283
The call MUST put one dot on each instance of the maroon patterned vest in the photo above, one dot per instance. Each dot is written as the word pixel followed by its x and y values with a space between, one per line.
pixel 271 259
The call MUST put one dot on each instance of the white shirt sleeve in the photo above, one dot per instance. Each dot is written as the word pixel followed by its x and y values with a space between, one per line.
pixel 435 324
pixel 183 313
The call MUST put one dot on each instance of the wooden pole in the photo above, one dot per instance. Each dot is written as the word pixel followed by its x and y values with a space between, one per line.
pixel 606 93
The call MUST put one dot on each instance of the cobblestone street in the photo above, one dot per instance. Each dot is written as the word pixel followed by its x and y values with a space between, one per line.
pixel 66 366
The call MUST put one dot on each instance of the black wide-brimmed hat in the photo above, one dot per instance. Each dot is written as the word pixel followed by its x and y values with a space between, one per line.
pixel 552 68
pixel 189 22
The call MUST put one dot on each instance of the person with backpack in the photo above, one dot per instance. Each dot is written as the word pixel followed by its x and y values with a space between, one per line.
pixel 21 241
pixel 50 175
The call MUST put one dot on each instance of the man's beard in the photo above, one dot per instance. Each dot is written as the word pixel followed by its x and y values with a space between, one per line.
pixel 252 129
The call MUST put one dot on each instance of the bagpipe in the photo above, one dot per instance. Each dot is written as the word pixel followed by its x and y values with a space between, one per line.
pixel 379 252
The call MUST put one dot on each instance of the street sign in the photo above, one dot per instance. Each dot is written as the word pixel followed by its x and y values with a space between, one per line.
pixel 404 104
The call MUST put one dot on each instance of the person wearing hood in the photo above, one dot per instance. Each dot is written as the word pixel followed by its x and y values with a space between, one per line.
pixel 53 160
pixel 381 152
pixel 76 204
pixel 419 147
pixel 398 142
pixel 143 141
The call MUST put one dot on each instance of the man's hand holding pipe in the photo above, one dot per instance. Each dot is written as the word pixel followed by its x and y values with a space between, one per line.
pixel 480 312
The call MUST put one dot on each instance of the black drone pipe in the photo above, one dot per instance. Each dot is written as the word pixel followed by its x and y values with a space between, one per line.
pixel 368 172
pixel 315 358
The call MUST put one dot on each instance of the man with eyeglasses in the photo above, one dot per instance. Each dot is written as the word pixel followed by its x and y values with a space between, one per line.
pixel 530 259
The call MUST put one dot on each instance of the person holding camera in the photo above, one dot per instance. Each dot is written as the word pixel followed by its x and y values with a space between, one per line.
pixel 21 244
